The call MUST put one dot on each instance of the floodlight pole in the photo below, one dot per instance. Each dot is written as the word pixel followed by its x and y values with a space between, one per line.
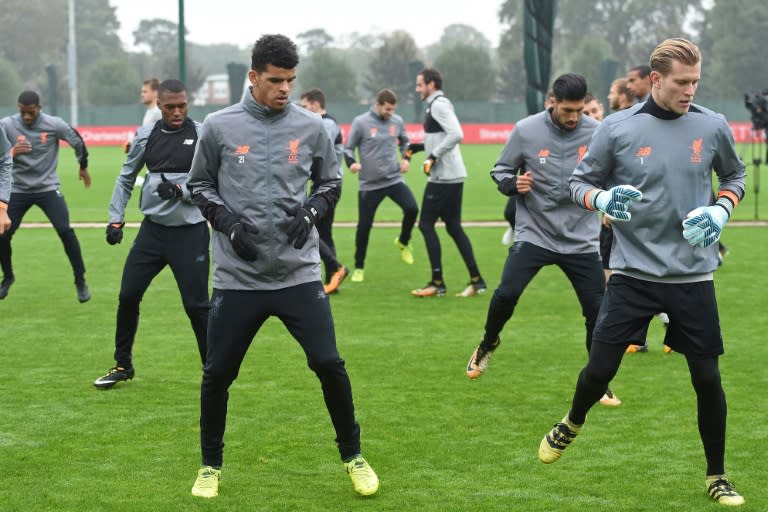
pixel 72 64
pixel 182 45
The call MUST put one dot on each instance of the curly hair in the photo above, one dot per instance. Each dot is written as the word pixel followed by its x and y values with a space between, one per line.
pixel 275 49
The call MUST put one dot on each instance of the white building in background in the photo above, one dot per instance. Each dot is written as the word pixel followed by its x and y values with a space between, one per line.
pixel 214 91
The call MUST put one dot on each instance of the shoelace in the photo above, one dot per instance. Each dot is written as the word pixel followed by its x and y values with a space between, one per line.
pixel 722 487
pixel 562 436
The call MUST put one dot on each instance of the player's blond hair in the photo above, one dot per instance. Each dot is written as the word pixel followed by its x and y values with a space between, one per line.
pixel 674 49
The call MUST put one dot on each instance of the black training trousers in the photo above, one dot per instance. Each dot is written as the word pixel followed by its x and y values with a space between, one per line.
pixel 367 203
pixel 524 261
pixel 235 318
pixel 185 250
pixel 55 208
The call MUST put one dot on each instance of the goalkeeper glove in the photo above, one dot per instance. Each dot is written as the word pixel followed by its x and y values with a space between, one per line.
pixel 167 190
pixel 428 163
pixel 615 202
pixel 242 236
pixel 115 233
pixel 703 225
pixel 304 218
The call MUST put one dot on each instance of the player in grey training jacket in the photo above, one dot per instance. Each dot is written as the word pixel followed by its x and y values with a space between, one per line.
pixel 6 165
pixel 249 176
pixel 173 232
pixel 36 137
pixel 549 228
pixel 377 135
pixel 650 169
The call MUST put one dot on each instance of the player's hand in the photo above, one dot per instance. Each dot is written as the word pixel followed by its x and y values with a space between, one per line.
pixel 404 165
pixel 167 190
pixel 22 145
pixel 426 167
pixel 85 177
pixel 242 236
pixel 702 226
pixel 525 182
pixel 616 202
pixel 5 220
pixel 304 219
pixel 115 233
pixel 126 146
pixel 355 168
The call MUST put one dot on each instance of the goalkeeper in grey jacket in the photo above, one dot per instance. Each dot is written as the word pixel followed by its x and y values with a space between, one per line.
pixel 650 169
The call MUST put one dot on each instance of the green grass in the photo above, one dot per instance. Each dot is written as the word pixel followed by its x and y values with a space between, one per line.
pixel 438 441
pixel 482 202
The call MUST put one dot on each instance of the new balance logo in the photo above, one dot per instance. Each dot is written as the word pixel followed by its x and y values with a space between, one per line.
pixel 242 150
pixel 643 153
pixel 188 142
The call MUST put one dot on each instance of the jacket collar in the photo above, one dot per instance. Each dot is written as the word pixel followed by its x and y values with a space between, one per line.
pixel 260 111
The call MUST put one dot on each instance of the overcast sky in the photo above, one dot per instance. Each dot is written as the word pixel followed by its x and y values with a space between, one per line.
pixel 241 22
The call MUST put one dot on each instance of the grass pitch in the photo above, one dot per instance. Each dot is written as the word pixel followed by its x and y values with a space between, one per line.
pixel 438 441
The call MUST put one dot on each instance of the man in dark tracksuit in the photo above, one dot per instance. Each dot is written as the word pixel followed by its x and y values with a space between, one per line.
pixel 249 177
pixel 377 135
pixel 314 101
pixel 173 232
pixel 657 158
pixel 549 228
pixel 36 137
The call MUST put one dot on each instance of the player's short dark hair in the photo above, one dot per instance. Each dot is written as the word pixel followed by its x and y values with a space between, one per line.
pixel 29 98
pixel 642 70
pixel 171 85
pixel 153 83
pixel 275 49
pixel 432 75
pixel 315 96
pixel 386 96
pixel 570 86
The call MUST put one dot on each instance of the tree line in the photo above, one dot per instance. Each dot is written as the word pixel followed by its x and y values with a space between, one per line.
pixel 599 39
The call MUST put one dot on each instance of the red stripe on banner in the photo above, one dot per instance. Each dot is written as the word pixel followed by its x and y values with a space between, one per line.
pixel 474 133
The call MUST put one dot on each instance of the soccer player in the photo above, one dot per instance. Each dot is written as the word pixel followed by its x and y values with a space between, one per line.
pixel 639 82
pixel 376 135
pixel 265 256
pixel 335 273
pixel 550 228
pixel 594 108
pixel 149 92
pixel 36 137
pixel 619 96
pixel 658 189
pixel 173 232
pixel 446 173
pixel 6 165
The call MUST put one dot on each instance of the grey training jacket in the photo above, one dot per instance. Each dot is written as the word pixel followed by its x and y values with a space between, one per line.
pixel 546 216
pixel 670 160
pixel 6 166
pixel 36 171
pixel 257 162
pixel 377 141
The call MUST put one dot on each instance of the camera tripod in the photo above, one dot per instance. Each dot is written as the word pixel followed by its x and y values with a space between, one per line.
pixel 757 142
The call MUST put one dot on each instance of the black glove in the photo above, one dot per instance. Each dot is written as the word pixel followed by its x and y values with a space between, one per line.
pixel 115 233
pixel 167 190
pixel 508 186
pixel 301 226
pixel 242 236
